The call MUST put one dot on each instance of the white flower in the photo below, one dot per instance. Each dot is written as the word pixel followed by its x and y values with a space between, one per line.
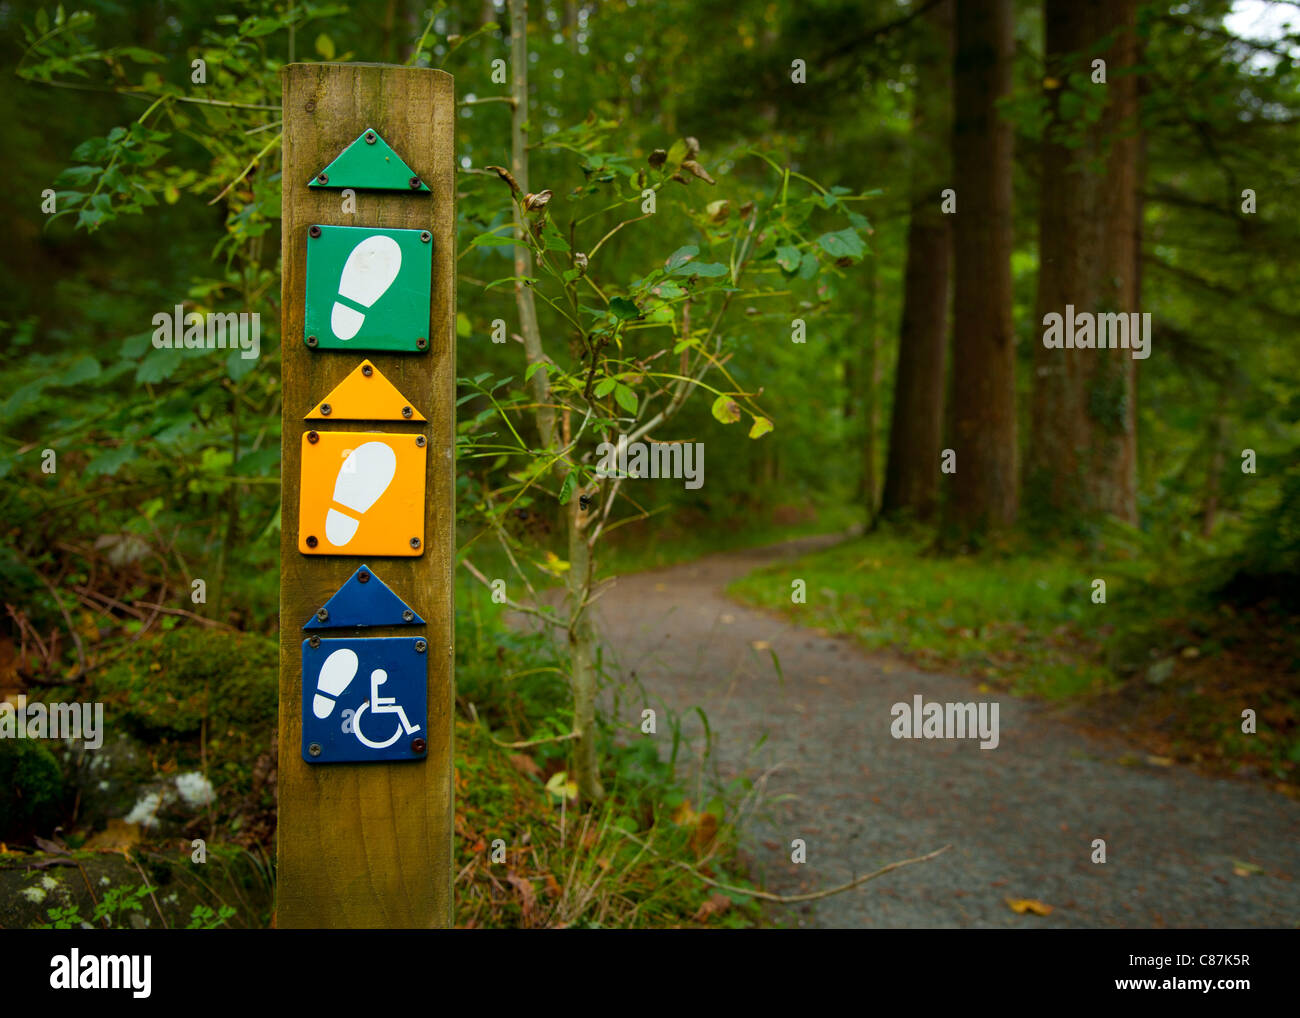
pixel 142 812
pixel 33 894
pixel 49 883
pixel 195 789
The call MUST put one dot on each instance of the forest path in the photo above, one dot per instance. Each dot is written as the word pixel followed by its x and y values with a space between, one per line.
pixel 1021 818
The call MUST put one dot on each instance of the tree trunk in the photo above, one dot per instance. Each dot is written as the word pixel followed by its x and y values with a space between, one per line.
pixel 581 633
pixel 983 494
pixel 916 426
pixel 1113 393
pixel 869 374
pixel 1083 443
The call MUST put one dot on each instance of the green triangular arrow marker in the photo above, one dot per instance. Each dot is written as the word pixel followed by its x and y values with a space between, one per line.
pixel 369 163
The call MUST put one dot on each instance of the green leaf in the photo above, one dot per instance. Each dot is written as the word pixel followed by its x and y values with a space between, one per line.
pixel 625 398
pixel 808 266
pixel 681 256
pixel 760 428
pixel 709 269
pixel 726 410
pixel 675 156
pixel 566 489
pixel 464 328
pixel 604 387
pixel 788 258
pixel 159 364
pixel 83 368
pixel 255 27
pixel 110 462
pixel 623 309
pixel 842 244
pixel 552 238
pixel 325 46
pixel 491 240
pixel 237 365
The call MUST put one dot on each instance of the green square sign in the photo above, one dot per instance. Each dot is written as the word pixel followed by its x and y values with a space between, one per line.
pixel 368 289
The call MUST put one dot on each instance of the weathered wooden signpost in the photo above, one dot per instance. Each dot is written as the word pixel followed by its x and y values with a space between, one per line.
pixel 365 772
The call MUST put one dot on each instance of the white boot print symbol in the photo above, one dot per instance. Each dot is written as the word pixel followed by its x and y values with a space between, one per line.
pixel 369 271
pixel 336 674
pixel 364 476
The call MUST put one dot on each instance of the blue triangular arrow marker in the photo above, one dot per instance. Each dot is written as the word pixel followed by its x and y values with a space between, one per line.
pixel 363 601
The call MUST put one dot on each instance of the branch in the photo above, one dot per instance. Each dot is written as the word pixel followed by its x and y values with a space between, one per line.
pixel 785 899
pixel 533 351
pixel 516 606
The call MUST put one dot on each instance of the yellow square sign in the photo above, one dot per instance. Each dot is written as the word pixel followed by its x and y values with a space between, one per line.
pixel 361 493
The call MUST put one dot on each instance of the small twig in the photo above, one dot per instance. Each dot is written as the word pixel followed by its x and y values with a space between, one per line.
pixel 785 899
pixel 519 745
pixel 72 630
pixel 533 742
pixel 248 169
pixel 161 917
pixel 211 623
pixel 551 619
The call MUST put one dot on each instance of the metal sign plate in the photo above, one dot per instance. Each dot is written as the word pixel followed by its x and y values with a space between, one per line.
pixel 365 600
pixel 365 395
pixel 369 163
pixel 365 700
pixel 361 493
pixel 368 289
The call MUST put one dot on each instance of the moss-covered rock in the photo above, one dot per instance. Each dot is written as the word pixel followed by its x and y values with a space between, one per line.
pixel 32 800
pixel 192 674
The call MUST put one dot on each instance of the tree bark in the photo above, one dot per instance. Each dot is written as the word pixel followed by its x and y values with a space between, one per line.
pixel 983 489
pixel 1083 443
pixel 916 425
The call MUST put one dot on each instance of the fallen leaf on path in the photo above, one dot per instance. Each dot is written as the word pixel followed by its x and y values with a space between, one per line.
pixel 1021 906
pixel 760 645
pixel 716 905
pixel 1160 761
pixel 1245 869
pixel 728 618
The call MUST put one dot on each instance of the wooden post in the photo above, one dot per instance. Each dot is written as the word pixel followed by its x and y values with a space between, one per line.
pixel 368 844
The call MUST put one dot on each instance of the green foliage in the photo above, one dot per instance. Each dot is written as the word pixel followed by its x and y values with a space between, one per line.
pixel 204 917
pixel 887 592
pixel 33 784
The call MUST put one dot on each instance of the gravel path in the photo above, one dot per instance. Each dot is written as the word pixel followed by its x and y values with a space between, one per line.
pixel 1021 818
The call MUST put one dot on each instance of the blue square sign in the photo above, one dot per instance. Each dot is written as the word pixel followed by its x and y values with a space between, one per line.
pixel 365 700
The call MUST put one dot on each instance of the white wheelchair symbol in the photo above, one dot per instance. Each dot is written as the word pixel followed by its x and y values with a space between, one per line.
pixel 382 705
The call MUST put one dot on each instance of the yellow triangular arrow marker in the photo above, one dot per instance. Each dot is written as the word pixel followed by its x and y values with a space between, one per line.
pixel 365 395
